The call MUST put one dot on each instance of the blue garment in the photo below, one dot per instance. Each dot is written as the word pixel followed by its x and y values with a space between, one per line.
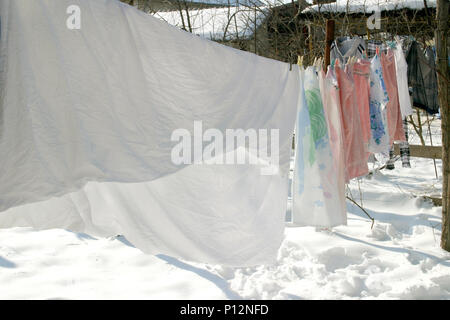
pixel 379 98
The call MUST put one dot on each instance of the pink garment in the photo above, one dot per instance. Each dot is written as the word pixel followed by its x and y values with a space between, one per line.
pixel 394 116
pixel 354 146
pixel 361 79
pixel 330 98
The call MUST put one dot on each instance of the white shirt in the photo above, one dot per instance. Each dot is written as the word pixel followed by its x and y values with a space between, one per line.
pixel 401 69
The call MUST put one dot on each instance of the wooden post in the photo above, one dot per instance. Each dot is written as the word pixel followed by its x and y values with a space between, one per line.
pixel 431 142
pixel 329 40
pixel 310 44
pixel 441 37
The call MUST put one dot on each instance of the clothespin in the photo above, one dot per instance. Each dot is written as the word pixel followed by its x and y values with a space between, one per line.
pixel 378 51
pixel 300 61
pixel 318 62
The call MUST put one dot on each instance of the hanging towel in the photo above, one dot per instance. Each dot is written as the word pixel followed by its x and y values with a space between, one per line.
pixel 361 79
pixel 316 194
pixel 330 97
pixel 393 113
pixel 355 149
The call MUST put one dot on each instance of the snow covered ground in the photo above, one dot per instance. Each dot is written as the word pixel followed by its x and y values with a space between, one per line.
pixel 399 258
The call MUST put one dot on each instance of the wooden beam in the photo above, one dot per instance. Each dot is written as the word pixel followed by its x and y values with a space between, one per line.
pixel 419 151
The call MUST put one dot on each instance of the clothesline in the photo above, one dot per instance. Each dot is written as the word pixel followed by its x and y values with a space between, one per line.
pixel 349 113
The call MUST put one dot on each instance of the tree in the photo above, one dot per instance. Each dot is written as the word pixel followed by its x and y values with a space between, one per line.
pixel 441 36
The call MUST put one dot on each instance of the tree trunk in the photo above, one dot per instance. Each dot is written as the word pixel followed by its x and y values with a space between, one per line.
pixel 441 37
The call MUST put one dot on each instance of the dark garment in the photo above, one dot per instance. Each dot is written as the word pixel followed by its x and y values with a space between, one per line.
pixel 404 151
pixel 390 165
pixel 422 78
pixel 404 147
pixel 372 46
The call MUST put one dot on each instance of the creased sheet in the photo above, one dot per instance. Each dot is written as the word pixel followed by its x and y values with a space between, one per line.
pixel 86 122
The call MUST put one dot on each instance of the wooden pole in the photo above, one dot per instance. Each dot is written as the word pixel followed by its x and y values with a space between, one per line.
pixel 310 44
pixel 431 142
pixel 329 40
pixel 441 38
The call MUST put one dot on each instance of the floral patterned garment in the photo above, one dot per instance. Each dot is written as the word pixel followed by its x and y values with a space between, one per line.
pixel 379 142
pixel 316 192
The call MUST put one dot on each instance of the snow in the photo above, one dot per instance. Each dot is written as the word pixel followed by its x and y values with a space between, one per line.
pixel 218 23
pixel 211 23
pixel 242 21
pixel 399 258
pixel 368 6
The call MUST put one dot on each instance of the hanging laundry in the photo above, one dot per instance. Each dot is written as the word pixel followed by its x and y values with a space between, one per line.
pixel 379 141
pixel 87 120
pixel 431 78
pixel 316 193
pixel 404 151
pixel 373 45
pixel 361 79
pixel 355 149
pixel 330 96
pixel 393 113
pixel 404 147
pixel 306 168
pixel 345 47
pixel 422 78
pixel 401 70
pixel 390 164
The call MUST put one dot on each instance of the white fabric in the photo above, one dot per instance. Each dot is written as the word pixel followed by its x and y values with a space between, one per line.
pixel 87 116
pixel 401 69
pixel 316 188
